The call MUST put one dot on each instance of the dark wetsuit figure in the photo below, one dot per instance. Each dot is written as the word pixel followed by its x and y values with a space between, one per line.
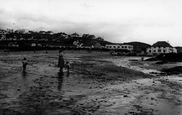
pixel 61 62
pixel 24 62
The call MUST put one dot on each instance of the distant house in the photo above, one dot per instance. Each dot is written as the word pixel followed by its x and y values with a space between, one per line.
pixel 10 30
pixel 39 45
pixel 42 32
pixel 92 44
pixel 88 36
pixel 77 43
pixel 161 47
pixel 49 32
pixel 11 44
pixel 85 35
pixel 3 31
pixel 100 39
pixel 119 46
pixel 64 35
pixel 97 45
pixel 22 31
pixel 2 36
pixel 74 35
pixel 33 44
pixel 91 36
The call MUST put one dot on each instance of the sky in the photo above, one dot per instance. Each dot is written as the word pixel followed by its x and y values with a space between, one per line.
pixel 116 21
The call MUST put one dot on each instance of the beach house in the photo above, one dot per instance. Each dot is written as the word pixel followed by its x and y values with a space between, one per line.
pixel 161 47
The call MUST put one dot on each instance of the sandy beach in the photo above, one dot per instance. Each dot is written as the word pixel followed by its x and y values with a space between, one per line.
pixel 98 84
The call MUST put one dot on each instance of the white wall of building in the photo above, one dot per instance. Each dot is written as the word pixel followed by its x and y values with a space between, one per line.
pixel 116 46
pixel 175 50
pixel 159 50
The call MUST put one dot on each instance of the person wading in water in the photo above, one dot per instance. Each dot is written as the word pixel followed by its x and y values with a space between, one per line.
pixel 61 61
pixel 24 62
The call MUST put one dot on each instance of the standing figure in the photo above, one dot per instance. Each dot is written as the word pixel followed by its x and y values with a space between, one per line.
pixel 61 62
pixel 24 62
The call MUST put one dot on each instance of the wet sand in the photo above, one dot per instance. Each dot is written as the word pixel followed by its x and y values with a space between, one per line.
pixel 98 84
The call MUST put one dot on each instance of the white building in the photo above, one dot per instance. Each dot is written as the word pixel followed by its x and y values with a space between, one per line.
pixel 161 47
pixel 119 46
pixel 22 31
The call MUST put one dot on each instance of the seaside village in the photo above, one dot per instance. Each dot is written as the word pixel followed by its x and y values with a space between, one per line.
pixel 23 39
pixel 47 73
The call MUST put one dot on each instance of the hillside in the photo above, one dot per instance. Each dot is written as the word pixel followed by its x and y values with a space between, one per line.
pixel 179 49
pixel 139 46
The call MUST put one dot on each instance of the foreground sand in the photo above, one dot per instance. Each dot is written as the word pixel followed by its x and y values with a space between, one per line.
pixel 97 85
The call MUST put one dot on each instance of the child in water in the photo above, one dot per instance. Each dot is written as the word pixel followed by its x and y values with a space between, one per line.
pixel 67 66
pixel 61 61
pixel 24 62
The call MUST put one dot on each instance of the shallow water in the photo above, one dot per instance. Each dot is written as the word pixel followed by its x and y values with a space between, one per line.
pixel 152 94
pixel 172 64
pixel 125 62
pixel 149 94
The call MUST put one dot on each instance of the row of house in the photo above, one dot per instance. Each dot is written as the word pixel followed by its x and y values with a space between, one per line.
pixel 157 48
pixel 119 46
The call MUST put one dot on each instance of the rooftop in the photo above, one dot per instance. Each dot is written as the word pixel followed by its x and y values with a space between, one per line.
pixel 161 44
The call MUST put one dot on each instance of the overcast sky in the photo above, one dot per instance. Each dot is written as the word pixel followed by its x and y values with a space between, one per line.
pixel 119 21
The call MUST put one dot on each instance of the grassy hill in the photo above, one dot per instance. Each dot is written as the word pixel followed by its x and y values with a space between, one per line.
pixel 139 46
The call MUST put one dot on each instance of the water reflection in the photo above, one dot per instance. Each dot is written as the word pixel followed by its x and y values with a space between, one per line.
pixel 24 84
pixel 24 73
pixel 60 80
